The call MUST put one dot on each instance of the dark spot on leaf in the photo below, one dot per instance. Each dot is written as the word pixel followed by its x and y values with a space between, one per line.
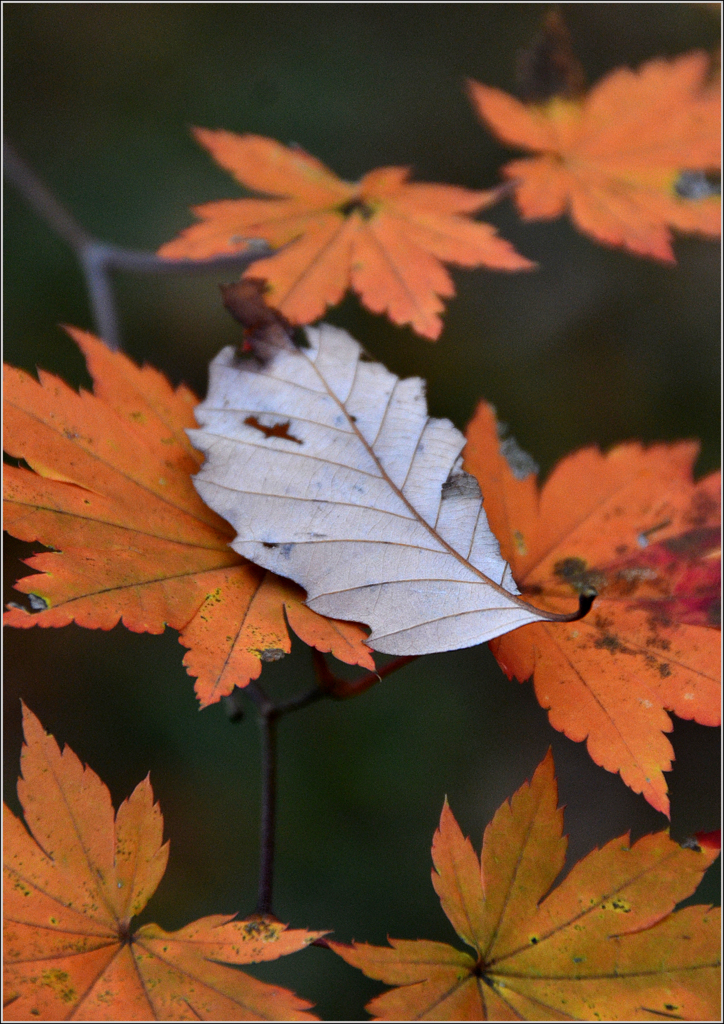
pixel 286 550
pixel 277 430
pixel 573 572
pixel 568 568
pixel 356 206
pixel 533 939
pixel 664 670
pixel 269 545
pixel 694 543
pixel 659 642
pixel 262 927
pixel 703 507
pixel 611 643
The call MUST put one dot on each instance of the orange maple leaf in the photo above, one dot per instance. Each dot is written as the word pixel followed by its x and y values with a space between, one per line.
pixel 110 488
pixel 603 945
pixel 634 525
pixel 624 158
pixel 384 236
pixel 73 885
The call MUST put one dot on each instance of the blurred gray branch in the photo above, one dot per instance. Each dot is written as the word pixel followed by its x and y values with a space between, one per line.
pixel 99 259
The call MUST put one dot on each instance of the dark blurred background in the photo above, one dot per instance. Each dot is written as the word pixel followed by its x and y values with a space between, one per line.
pixel 594 347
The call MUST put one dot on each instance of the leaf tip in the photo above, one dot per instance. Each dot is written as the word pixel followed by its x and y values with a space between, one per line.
pixel 201 135
pixel 472 86
pixel 31 722
pixel 446 816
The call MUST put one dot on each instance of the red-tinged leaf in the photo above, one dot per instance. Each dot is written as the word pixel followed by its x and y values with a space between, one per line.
pixel 629 160
pixel 709 840
pixel 71 888
pixel 604 945
pixel 384 236
pixel 109 487
pixel 634 525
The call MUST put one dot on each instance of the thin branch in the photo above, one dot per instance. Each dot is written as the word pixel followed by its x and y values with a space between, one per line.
pixel 41 199
pixel 268 719
pixel 340 689
pixel 99 259
pixel 267 829
pixel 269 714
pixel 263 705
pixel 100 294
pixel 297 703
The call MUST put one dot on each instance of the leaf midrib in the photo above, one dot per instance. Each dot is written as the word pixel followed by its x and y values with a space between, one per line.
pixel 396 490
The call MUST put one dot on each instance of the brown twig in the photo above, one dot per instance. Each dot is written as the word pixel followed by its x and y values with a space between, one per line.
pixel 268 719
pixel 328 685
pixel 340 689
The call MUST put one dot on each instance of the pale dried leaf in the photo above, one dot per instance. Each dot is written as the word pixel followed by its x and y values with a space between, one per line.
pixel 333 474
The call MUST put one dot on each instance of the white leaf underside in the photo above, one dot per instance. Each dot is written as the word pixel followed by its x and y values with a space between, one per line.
pixel 361 498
